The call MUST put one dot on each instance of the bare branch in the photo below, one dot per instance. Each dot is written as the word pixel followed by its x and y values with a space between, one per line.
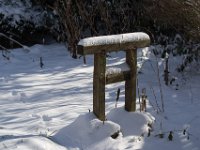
pixel 9 38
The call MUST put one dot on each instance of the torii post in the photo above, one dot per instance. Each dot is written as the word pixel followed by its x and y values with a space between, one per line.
pixel 99 46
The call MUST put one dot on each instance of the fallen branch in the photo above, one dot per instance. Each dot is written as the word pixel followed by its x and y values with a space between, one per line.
pixel 11 39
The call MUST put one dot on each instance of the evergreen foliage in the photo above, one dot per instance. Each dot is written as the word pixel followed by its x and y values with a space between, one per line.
pixel 22 19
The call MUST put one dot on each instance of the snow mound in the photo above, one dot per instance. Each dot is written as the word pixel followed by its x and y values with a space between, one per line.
pixel 131 123
pixel 85 132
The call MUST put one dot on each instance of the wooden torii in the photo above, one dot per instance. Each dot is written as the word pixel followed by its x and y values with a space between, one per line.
pixel 99 46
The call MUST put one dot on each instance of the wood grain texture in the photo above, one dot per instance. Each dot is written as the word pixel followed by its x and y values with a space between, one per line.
pixel 99 85
pixel 117 77
pixel 130 84
pixel 86 50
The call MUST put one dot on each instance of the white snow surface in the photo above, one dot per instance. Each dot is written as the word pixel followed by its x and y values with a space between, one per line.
pixel 114 39
pixel 122 67
pixel 50 108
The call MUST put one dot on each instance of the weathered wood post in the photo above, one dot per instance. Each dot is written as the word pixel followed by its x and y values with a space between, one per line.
pixel 99 46
pixel 99 85
pixel 130 83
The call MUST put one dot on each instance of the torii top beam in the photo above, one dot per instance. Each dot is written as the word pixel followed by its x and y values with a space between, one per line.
pixel 111 43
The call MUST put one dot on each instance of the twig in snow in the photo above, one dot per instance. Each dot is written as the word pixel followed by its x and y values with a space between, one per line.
pixel 159 82
pixel 3 53
pixel 158 107
pixel 144 100
pixel 166 71
pixel 152 67
pixel 84 59
pixel 161 134
pixel 41 63
pixel 156 110
pixel 170 136
pixel 139 94
pixel 160 86
pixel 118 93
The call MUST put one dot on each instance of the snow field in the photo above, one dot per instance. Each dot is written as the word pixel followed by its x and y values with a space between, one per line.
pixel 48 108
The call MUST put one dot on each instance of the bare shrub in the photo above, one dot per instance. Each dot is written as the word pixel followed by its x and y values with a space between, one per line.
pixel 183 16
pixel 83 18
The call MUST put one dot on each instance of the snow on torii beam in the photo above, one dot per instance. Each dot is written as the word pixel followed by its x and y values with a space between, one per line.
pixel 99 46
pixel 111 43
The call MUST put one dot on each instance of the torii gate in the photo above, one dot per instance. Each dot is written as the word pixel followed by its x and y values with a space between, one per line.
pixel 99 46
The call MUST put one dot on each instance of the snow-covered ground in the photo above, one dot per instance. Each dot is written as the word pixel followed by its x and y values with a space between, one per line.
pixel 49 108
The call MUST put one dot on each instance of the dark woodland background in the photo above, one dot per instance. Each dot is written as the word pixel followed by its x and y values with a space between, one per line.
pixel 168 22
